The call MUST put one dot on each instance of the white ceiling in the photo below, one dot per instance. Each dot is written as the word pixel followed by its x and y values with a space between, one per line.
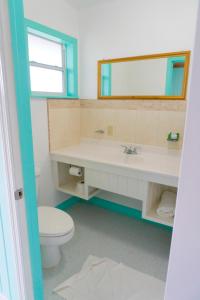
pixel 84 3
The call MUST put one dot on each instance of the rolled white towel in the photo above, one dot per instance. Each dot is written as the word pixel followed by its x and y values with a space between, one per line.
pixel 167 205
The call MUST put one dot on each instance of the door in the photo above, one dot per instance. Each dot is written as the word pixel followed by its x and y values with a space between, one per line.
pixel 20 262
pixel 12 283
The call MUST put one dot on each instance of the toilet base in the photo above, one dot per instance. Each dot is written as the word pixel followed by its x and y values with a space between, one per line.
pixel 50 256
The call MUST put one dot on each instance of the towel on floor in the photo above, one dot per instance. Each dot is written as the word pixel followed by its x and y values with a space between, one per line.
pixel 105 279
pixel 166 208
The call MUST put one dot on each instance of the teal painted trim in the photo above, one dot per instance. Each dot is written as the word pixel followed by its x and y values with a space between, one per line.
pixel 111 206
pixel 71 48
pixel 115 207
pixel 122 209
pixel 110 80
pixel 169 76
pixel 68 203
pixel 106 73
pixel 46 95
pixel 75 69
pixel 72 69
pixel 47 32
pixel 40 96
pixel 21 75
pixel 166 227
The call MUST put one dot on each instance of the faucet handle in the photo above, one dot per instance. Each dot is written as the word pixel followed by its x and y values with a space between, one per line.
pixel 99 131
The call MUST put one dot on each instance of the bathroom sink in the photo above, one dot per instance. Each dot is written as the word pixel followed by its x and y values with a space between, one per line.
pixel 148 159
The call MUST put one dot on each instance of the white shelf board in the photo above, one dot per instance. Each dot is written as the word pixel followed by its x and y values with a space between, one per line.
pixel 93 193
pixel 71 190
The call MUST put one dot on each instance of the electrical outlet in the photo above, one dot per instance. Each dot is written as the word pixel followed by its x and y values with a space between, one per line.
pixel 110 130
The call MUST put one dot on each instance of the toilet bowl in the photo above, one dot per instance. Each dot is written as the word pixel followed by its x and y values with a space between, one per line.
pixel 56 228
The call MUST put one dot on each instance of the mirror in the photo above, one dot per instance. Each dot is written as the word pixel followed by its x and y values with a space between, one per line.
pixel 157 76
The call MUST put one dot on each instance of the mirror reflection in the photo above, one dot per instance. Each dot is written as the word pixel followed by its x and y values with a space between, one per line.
pixel 147 77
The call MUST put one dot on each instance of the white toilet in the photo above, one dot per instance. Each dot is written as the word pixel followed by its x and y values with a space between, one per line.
pixel 55 228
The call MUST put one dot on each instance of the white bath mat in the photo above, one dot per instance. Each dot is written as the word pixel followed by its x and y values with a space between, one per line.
pixel 104 279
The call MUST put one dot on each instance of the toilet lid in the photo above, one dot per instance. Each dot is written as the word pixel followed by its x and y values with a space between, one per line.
pixel 54 222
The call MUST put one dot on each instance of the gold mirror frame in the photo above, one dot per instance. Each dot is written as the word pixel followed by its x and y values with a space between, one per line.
pixel 143 57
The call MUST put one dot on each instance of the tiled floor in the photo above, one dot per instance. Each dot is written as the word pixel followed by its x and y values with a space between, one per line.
pixel 140 245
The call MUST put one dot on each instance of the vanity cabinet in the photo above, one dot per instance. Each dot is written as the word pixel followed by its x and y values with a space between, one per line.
pixel 148 192
pixel 94 180
pixel 143 177
pixel 119 184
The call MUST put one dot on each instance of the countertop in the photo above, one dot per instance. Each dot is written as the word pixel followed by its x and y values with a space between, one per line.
pixel 152 160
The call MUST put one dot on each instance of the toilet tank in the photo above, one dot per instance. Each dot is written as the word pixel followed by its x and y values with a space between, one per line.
pixel 37 178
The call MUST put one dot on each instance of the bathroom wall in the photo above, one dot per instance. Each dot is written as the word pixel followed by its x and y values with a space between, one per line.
pixel 64 119
pixel 127 28
pixel 62 17
pixel 58 15
pixel 47 193
pixel 141 122
pixel 135 78
pixel 117 30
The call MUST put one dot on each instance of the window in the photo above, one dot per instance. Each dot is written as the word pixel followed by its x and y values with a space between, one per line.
pixel 52 61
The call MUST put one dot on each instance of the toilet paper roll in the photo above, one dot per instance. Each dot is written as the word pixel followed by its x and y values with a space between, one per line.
pixel 75 171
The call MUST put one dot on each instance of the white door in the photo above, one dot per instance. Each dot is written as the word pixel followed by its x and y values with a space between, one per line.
pixel 15 273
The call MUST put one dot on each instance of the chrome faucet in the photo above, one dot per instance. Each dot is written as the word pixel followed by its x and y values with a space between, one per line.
pixel 130 149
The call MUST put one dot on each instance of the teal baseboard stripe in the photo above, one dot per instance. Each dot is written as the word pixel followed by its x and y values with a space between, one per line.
pixel 111 206
pixel 166 227
pixel 115 207
pixel 68 203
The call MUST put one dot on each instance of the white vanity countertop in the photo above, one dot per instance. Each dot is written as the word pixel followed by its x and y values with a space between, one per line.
pixel 154 161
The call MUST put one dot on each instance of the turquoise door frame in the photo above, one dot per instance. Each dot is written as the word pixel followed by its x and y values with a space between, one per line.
pixel 21 75
pixel 106 79
pixel 170 73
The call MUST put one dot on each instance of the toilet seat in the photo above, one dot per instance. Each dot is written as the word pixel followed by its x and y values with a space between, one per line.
pixel 54 222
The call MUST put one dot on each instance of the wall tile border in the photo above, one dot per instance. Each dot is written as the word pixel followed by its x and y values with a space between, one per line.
pixel 148 105
pixel 63 103
pixel 155 105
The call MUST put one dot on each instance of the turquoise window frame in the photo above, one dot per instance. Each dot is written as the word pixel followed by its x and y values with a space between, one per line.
pixel 170 62
pixel 71 51
pixel 106 79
